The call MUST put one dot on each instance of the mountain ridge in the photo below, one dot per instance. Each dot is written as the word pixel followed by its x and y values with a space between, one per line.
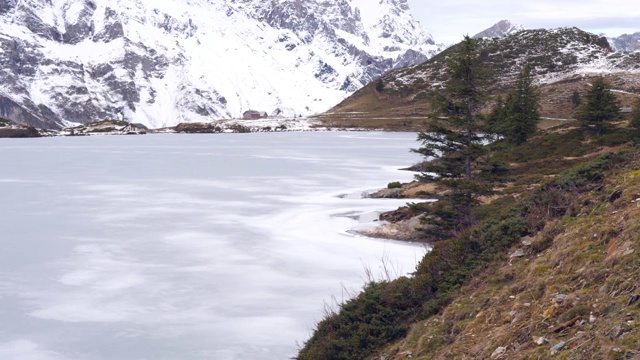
pixel 562 60
pixel 188 61
pixel 626 42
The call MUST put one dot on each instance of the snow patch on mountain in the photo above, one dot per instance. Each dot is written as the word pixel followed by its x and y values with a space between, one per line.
pixel 553 55
pixel 165 62
pixel 626 43
pixel 501 29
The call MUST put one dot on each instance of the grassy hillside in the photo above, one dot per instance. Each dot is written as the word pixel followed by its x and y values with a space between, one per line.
pixel 568 289
pixel 562 60
pixel 551 268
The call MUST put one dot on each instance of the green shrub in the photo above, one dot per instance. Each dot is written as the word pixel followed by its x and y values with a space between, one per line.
pixel 421 96
pixel 580 310
pixel 382 312
pixel 363 324
pixel 619 137
pixel 547 237
pixel 394 185
pixel 635 116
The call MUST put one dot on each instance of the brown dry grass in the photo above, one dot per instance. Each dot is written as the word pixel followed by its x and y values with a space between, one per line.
pixel 417 189
pixel 591 258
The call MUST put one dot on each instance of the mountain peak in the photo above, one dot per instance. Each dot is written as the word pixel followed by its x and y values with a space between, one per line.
pixel 501 29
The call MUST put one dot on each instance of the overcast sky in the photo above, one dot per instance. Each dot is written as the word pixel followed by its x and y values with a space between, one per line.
pixel 449 20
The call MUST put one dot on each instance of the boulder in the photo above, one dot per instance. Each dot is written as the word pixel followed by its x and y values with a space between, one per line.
pixel 499 352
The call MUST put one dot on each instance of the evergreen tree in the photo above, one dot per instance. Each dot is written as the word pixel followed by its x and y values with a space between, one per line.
pixel 495 120
pixel 635 115
pixel 518 119
pixel 380 85
pixel 601 106
pixel 575 99
pixel 454 141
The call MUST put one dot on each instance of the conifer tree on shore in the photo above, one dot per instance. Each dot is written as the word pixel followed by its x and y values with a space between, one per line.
pixel 576 100
pixel 635 115
pixel 454 141
pixel 601 106
pixel 516 119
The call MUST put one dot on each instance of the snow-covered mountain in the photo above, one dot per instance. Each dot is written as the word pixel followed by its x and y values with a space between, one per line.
pixel 626 42
pixel 501 29
pixel 164 62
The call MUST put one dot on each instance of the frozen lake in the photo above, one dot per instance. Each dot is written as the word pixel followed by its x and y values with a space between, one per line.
pixel 186 246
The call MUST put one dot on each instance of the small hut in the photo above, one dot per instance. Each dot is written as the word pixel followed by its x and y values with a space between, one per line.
pixel 254 115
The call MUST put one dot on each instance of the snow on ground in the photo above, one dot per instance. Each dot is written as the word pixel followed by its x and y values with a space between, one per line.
pixel 624 92
pixel 288 124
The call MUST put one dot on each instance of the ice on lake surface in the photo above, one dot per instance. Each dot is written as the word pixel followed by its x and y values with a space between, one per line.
pixel 187 246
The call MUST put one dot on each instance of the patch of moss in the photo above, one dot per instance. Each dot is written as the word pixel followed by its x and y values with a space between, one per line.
pixel 394 185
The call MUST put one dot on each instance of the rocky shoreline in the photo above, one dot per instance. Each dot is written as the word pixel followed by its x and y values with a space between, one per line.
pixel 119 127
pixel 402 224
pixel 9 129
pixel 19 131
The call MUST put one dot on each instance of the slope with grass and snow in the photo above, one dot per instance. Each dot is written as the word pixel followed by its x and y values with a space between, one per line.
pixel 562 60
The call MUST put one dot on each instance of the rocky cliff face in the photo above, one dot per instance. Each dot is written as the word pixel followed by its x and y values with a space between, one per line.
pixel 161 63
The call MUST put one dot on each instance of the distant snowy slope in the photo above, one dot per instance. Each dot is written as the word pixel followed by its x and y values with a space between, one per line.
pixel 164 62
pixel 501 29
pixel 626 42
